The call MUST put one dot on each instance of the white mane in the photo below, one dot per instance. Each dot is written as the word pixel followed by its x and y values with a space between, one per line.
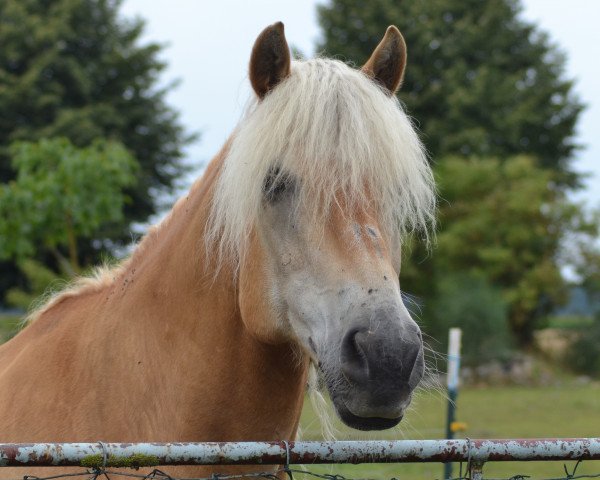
pixel 338 132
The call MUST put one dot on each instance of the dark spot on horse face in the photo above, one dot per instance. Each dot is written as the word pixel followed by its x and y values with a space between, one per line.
pixel 277 185
pixel 311 344
pixel 372 232
pixel 384 277
pixel 286 260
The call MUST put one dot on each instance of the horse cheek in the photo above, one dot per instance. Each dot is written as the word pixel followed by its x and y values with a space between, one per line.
pixel 257 299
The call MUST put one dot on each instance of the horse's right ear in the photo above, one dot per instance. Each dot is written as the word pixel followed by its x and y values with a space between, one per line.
pixel 387 63
pixel 270 59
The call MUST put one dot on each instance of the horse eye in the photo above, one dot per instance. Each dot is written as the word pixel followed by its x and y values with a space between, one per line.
pixel 276 185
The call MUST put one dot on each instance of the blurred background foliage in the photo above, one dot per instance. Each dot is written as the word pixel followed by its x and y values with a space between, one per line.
pixel 88 147
pixel 471 302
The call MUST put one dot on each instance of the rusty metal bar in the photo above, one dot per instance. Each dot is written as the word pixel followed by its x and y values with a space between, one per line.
pixel 278 453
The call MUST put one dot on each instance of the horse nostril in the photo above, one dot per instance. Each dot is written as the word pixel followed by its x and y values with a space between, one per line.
pixel 410 356
pixel 355 364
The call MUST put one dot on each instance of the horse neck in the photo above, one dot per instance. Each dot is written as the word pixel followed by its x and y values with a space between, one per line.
pixel 233 386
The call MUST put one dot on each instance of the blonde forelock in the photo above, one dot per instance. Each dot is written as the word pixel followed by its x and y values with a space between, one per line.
pixel 339 133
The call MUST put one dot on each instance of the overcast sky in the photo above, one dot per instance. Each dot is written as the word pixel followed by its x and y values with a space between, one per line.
pixel 209 46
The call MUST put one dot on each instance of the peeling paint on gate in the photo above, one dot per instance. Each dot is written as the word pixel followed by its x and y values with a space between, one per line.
pixel 276 453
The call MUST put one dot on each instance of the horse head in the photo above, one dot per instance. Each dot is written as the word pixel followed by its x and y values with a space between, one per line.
pixel 323 179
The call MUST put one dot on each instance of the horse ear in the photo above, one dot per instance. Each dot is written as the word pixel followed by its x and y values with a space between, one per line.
pixel 270 59
pixel 386 65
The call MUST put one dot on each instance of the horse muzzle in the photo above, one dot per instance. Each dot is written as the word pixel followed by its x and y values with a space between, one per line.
pixel 378 370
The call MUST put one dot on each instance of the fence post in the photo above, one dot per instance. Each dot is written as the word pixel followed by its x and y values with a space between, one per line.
pixel 476 471
pixel 454 336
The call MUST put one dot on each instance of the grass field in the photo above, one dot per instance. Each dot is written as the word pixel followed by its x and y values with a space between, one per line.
pixel 498 412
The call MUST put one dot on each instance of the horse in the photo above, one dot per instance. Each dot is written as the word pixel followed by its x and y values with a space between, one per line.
pixel 283 255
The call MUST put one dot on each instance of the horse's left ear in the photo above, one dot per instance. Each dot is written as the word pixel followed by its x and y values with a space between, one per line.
pixel 387 62
pixel 270 59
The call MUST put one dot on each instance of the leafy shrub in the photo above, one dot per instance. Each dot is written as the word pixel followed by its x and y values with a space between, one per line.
pixel 472 304
pixel 584 354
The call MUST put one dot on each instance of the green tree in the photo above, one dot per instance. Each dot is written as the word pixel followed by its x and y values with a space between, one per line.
pixel 480 80
pixel 503 220
pixel 507 223
pixel 61 197
pixel 76 69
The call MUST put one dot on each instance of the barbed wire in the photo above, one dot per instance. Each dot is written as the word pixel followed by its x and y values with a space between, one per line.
pixel 100 473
